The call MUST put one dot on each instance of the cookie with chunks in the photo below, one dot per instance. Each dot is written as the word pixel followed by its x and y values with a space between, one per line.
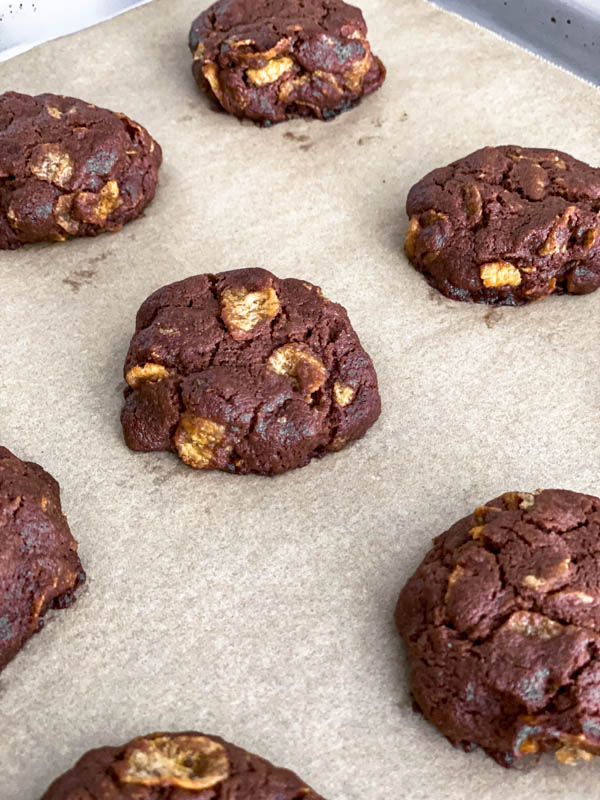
pixel 177 766
pixel 501 623
pixel 69 168
pixel 507 225
pixel 39 565
pixel 245 372
pixel 269 60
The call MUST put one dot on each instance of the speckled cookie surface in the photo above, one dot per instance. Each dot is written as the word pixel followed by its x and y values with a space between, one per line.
pixel 507 225
pixel 39 565
pixel 269 60
pixel 69 168
pixel 177 766
pixel 245 372
pixel 502 627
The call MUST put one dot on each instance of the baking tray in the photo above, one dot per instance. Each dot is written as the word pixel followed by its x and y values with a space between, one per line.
pixel 261 609
pixel 567 32
pixel 25 24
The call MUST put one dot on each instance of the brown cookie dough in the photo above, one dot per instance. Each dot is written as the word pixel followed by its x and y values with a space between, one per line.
pixel 502 627
pixel 245 372
pixel 39 566
pixel 177 766
pixel 507 225
pixel 269 60
pixel 69 168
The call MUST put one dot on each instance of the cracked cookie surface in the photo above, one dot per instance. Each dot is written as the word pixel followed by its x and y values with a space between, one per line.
pixel 70 169
pixel 245 372
pixel 507 225
pixel 177 766
pixel 501 623
pixel 39 565
pixel 269 60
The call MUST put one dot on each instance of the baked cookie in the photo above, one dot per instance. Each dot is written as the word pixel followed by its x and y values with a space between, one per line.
pixel 507 225
pixel 177 766
pixel 502 627
pixel 269 60
pixel 39 566
pixel 245 372
pixel 68 168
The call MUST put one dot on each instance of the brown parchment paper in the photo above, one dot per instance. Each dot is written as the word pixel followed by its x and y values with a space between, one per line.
pixel 261 609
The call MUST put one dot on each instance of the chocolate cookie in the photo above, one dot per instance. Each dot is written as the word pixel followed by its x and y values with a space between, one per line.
pixel 177 766
pixel 244 372
pixel 507 225
pixel 269 60
pixel 68 168
pixel 502 627
pixel 39 566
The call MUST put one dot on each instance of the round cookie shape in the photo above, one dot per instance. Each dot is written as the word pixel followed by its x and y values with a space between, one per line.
pixel 245 372
pixel 507 225
pixel 177 766
pixel 39 565
pixel 270 60
pixel 70 169
pixel 501 623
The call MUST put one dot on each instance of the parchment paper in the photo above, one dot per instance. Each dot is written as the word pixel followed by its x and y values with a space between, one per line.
pixel 261 609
